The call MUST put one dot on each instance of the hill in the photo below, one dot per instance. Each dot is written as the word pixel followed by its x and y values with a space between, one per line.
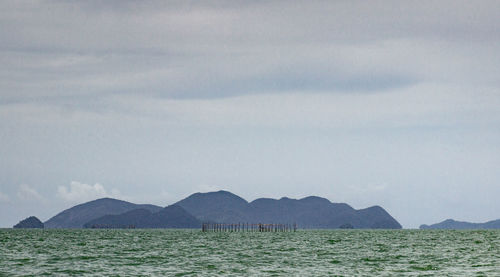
pixel 30 222
pixel 220 206
pixel 462 225
pixel 309 212
pixel 78 215
pixel 169 217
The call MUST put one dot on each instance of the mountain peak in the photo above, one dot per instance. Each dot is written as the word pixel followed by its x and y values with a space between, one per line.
pixel 222 206
pixel 315 199
pixel 77 216
pixel 221 194
pixel 30 222
pixel 172 216
pixel 206 205
pixel 308 212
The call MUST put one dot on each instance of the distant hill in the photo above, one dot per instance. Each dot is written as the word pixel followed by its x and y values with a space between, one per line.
pixel 309 212
pixel 172 216
pixel 78 215
pixel 221 206
pixel 30 222
pixel 452 224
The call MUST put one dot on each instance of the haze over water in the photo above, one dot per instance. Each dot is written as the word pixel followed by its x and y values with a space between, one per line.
pixel 194 253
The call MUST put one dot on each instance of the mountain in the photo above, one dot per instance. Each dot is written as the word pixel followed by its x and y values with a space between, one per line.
pixel 78 215
pixel 133 218
pixel 172 216
pixel 452 224
pixel 309 212
pixel 30 222
pixel 223 207
pixel 220 206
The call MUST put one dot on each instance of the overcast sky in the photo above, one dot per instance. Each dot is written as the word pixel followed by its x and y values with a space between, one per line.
pixel 390 103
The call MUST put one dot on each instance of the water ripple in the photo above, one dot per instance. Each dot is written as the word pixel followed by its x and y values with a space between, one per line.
pixel 194 253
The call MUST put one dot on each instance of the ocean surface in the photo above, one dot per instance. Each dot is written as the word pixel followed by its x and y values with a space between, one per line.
pixel 301 253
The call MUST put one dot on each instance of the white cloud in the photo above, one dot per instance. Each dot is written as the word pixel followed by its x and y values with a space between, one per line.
pixel 4 198
pixel 79 192
pixel 28 193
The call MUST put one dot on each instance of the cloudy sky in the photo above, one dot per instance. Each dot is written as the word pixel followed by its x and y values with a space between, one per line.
pixel 391 103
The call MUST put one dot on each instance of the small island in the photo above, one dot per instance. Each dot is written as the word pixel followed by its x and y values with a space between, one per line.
pixel 452 224
pixel 30 222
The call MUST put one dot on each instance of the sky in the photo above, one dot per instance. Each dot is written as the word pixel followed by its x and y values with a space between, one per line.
pixel 390 103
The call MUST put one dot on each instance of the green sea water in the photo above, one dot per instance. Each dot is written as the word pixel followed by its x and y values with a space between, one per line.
pixel 301 253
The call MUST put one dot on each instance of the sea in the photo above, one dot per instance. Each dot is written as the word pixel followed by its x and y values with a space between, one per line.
pixel 171 252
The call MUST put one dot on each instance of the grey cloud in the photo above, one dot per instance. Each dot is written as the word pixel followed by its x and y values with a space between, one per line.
pixel 182 50
pixel 28 193
pixel 264 98
pixel 4 197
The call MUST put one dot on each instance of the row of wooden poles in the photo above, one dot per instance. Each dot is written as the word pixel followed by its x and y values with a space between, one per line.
pixel 248 227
